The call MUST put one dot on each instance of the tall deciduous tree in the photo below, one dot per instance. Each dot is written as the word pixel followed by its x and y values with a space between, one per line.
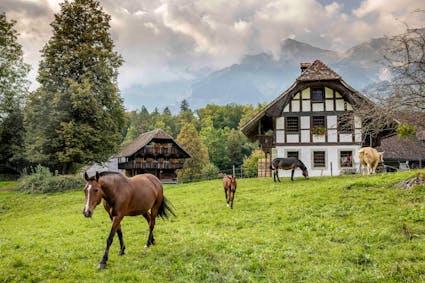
pixel 77 114
pixel 215 140
pixel 13 89
pixel 407 59
pixel 405 92
pixel 189 139
pixel 234 147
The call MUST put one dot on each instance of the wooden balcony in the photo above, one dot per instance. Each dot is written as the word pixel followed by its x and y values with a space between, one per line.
pixel 266 141
pixel 160 150
pixel 149 165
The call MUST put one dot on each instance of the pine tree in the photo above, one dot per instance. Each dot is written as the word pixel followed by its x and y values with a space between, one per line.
pixel 13 89
pixel 77 114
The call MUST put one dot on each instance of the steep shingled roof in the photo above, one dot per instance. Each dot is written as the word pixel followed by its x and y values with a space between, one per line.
pixel 314 72
pixel 143 140
pixel 405 148
pixel 318 71
pixel 410 148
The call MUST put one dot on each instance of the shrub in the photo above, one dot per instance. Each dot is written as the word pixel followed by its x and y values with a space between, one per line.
pixel 250 164
pixel 210 171
pixel 41 180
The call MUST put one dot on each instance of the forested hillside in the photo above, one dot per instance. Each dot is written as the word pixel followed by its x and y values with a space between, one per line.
pixel 217 127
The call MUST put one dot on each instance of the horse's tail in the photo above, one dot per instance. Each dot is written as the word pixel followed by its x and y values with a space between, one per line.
pixel 165 209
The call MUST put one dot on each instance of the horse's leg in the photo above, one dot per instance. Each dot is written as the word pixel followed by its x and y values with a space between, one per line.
pixel 274 176
pixel 225 195
pixel 277 175
pixel 120 237
pixel 115 225
pixel 154 213
pixel 232 196
pixel 147 216
pixel 292 174
pixel 119 231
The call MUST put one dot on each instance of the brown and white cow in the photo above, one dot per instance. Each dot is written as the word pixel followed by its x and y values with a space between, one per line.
pixel 369 159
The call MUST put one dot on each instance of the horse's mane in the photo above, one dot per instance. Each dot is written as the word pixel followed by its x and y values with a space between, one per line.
pixel 104 173
pixel 302 166
pixel 108 173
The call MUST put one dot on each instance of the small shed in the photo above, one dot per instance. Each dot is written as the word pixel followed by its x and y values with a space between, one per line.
pixel 409 151
pixel 154 152
pixel 401 151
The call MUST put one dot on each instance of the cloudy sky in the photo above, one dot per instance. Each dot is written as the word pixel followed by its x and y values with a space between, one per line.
pixel 169 40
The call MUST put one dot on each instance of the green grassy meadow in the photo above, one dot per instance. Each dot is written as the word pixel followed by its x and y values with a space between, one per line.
pixel 327 229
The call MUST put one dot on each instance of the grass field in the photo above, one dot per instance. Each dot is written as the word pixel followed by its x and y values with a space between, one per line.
pixel 328 229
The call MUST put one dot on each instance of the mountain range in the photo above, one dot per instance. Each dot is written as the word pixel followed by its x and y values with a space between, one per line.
pixel 262 77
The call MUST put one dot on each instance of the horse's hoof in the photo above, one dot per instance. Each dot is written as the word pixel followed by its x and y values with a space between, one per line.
pixel 121 253
pixel 146 247
pixel 102 266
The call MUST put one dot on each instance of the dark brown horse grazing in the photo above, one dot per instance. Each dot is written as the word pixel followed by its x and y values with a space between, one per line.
pixel 229 184
pixel 141 194
pixel 290 163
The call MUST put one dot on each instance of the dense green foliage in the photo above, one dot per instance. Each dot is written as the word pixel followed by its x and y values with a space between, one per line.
pixel 76 115
pixel 328 229
pixel 405 130
pixel 250 164
pixel 189 139
pixel 216 125
pixel 41 180
pixel 13 89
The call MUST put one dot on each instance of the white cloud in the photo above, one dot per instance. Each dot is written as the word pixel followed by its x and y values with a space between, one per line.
pixel 333 8
pixel 167 40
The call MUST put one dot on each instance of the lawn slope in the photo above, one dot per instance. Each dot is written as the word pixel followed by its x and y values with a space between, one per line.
pixel 346 228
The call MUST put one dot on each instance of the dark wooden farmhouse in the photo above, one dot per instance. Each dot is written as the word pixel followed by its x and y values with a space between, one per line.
pixel 153 152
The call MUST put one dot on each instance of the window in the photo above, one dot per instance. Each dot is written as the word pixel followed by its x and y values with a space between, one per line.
pixel 319 121
pixel 346 158
pixel 319 159
pixel 317 94
pixel 292 154
pixel 345 124
pixel 292 125
pixel 318 125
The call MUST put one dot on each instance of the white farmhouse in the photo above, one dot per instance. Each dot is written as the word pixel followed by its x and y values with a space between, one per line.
pixel 314 120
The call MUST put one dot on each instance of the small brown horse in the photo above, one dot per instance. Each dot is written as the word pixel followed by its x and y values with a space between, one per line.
pixel 290 163
pixel 229 184
pixel 141 194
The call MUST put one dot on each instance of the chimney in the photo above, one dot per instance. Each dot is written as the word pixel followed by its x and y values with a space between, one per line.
pixel 304 66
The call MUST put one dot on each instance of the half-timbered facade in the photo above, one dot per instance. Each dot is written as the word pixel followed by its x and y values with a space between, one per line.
pixel 313 120
pixel 153 152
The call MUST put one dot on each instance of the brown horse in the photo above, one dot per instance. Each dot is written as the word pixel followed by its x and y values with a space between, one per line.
pixel 141 194
pixel 229 184
pixel 290 163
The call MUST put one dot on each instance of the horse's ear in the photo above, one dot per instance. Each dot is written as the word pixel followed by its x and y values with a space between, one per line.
pixel 86 176
pixel 97 176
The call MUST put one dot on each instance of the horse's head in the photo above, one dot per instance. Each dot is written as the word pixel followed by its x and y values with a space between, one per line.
pixel 232 183
pixel 93 193
pixel 303 168
pixel 305 173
